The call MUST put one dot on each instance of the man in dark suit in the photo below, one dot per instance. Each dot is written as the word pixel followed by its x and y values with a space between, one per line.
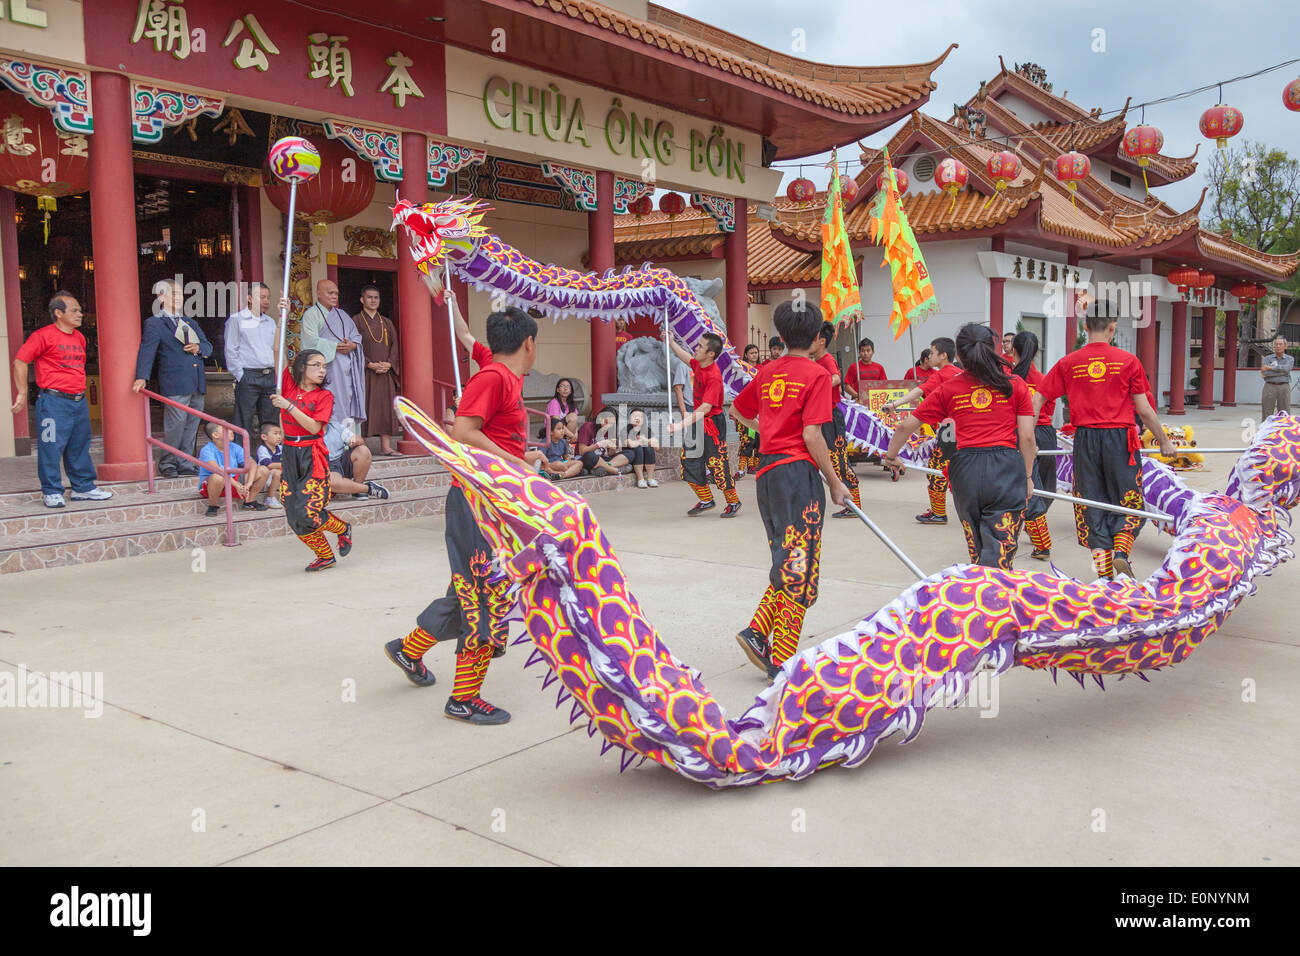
pixel 180 347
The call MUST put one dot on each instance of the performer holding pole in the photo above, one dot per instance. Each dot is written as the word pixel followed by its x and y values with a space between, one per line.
pixel 788 402
pixel 1104 386
pixel 834 431
pixel 942 353
pixel 491 417
pixel 1024 348
pixel 992 414
pixel 708 446
pixel 294 160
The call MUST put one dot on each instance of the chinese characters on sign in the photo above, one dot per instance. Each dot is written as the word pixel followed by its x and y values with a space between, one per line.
pixel 15 141
pixel 400 80
pixel 165 23
pixel 252 49
pixel 333 61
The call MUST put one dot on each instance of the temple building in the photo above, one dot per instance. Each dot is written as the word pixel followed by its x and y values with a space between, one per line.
pixel 136 134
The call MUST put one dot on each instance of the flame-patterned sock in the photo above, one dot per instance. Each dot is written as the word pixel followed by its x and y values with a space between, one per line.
pixel 787 627
pixel 730 496
pixel 416 644
pixel 471 669
pixel 1103 562
pixel 939 502
pixel 856 494
pixel 1039 533
pixel 765 617
pixel 1123 542
pixel 316 541
pixel 703 492
pixel 335 525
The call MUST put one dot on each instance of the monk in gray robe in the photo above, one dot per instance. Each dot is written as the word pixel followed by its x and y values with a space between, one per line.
pixel 331 331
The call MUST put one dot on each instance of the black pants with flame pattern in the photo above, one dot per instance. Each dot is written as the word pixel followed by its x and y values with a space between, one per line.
pixel 473 611
pixel 989 488
pixel 1102 472
pixel 710 461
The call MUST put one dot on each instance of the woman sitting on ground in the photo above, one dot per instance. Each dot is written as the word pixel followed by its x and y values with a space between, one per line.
pixel 564 409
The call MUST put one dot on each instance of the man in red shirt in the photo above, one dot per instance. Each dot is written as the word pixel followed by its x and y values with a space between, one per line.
pixel 59 351
pixel 942 353
pixel 834 431
pixel 788 403
pixel 490 417
pixel 858 379
pixel 702 460
pixel 1105 386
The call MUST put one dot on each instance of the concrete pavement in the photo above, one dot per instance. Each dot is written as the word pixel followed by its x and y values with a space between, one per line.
pixel 249 717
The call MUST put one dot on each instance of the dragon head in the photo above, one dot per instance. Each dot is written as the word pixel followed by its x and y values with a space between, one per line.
pixel 436 230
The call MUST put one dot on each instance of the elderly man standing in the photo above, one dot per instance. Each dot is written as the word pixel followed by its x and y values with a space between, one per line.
pixel 250 357
pixel 179 346
pixel 1276 369
pixel 331 331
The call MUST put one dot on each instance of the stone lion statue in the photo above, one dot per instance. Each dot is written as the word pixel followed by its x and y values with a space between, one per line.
pixel 641 361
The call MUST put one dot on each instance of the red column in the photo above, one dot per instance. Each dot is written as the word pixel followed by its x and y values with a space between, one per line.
pixel 1209 353
pixel 1230 359
pixel 996 288
pixel 600 238
pixel 417 320
pixel 737 255
pixel 1178 360
pixel 13 312
pixel 117 283
pixel 1146 342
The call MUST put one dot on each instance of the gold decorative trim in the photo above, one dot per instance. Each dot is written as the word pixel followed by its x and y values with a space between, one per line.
pixel 236 175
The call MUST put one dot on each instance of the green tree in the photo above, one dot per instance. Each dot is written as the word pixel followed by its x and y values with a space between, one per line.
pixel 1255 193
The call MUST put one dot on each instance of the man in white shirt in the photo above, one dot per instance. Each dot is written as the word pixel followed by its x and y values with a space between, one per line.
pixel 251 339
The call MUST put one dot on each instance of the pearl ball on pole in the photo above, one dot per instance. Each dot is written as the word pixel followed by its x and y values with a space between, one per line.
pixel 293 160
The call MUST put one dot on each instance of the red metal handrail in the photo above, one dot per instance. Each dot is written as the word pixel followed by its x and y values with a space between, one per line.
pixel 224 470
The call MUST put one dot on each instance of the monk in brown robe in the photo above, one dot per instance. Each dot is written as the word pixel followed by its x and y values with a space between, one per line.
pixel 383 359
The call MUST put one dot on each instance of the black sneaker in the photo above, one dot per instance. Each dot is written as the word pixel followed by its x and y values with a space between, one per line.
pixel 730 511
pixel 361 497
pixel 772 671
pixel 167 472
pixel 475 711
pixel 345 541
pixel 1121 565
pixel 930 517
pixel 213 511
pixel 701 507
pixel 845 512
pixel 755 647
pixel 320 564
pixel 377 490
pixel 415 671
pixel 1042 554
pixel 253 506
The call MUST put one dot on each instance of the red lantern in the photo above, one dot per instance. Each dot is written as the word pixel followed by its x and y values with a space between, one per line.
pixel 1291 95
pixel 1185 277
pixel 641 207
pixel 848 189
pixel 672 205
pixel 1204 280
pixel 1260 292
pixel 950 176
pixel 32 142
pixel 1143 142
pixel 1003 167
pixel 801 191
pixel 327 197
pixel 1247 291
pixel 901 177
pixel 1071 168
pixel 1220 122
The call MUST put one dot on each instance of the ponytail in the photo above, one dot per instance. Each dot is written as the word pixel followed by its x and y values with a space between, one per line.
pixel 1025 345
pixel 980 359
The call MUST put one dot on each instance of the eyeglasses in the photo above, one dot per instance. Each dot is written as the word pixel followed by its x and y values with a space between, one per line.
pixel 316 364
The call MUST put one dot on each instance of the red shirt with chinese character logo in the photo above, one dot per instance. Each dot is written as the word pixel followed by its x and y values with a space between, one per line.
pixel 983 416
pixel 786 394
pixel 1100 381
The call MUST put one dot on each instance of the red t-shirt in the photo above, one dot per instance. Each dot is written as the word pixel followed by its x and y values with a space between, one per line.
pixel 832 367
pixel 60 358
pixel 983 417
pixel 916 373
pixel 318 405
pixel 481 354
pixel 1100 381
pixel 496 395
pixel 1034 379
pixel 937 377
pixel 860 372
pixel 706 386
pixel 786 394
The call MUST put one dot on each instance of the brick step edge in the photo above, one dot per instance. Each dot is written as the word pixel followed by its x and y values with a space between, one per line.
pixel 266 525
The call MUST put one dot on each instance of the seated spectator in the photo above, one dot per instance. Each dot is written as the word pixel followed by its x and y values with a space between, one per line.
pixel 597 449
pixel 212 484
pixel 350 462
pixel 560 462
pixel 269 455
pixel 563 408
pixel 639 447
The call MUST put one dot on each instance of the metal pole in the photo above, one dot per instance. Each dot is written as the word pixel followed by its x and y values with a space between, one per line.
pixel 898 553
pixel 1102 505
pixel 668 366
pixel 284 294
pixel 1156 451
pixel 451 324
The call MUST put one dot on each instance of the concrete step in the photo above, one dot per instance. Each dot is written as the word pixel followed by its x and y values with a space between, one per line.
pixel 119 529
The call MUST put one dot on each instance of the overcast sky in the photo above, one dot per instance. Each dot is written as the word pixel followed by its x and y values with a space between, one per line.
pixel 1152 50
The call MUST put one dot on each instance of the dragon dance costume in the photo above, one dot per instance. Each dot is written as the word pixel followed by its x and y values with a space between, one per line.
pixel 708 439
pixel 835 434
pixel 1100 381
pixel 783 397
pixel 747 459
pixel 305 475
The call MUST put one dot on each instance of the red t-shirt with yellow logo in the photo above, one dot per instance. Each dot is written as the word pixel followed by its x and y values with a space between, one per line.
pixel 983 417
pixel 1100 381
pixel 1034 379
pixel 786 394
